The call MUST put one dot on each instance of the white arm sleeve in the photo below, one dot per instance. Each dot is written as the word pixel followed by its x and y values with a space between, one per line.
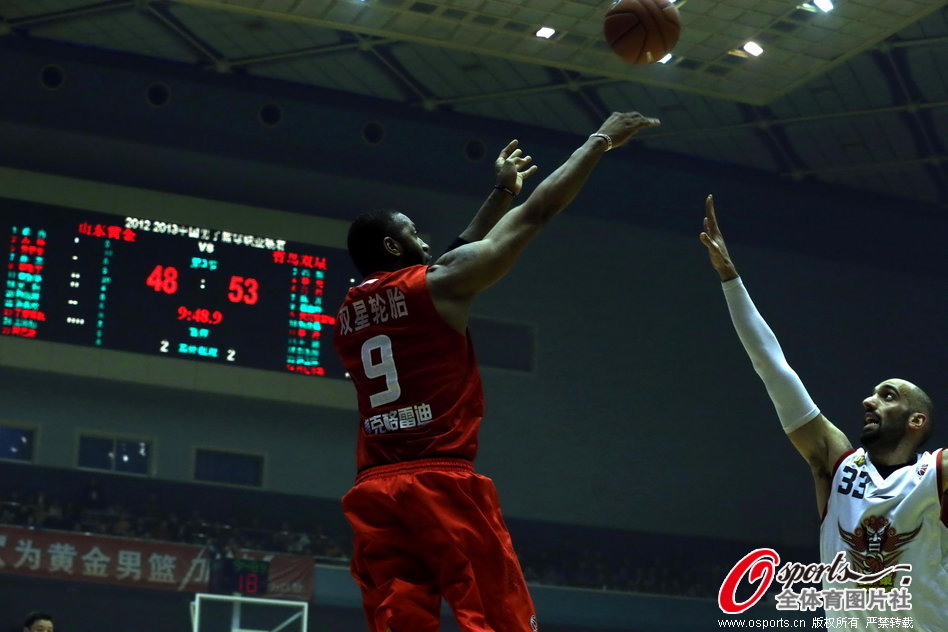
pixel 793 403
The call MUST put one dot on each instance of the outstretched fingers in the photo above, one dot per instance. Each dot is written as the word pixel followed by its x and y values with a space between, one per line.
pixel 507 151
pixel 708 242
pixel 710 219
pixel 711 234
pixel 621 126
pixel 649 122
pixel 713 240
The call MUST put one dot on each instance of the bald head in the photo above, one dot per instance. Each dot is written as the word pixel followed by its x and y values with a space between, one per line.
pixel 918 402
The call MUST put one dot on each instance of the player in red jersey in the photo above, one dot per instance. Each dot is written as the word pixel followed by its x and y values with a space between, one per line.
pixel 426 526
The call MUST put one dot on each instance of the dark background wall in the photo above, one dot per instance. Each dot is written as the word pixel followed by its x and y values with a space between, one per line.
pixel 643 412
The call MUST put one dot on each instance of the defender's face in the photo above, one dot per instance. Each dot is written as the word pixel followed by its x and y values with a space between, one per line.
pixel 886 414
pixel 414 247
pixel 41 625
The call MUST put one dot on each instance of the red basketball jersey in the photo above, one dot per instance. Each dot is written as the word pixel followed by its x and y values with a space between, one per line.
pixel 416 378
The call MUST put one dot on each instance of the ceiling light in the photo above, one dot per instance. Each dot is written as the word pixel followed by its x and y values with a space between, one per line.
pixel 753 48
pixel 665 59
pixel 824 5
pixel 546 32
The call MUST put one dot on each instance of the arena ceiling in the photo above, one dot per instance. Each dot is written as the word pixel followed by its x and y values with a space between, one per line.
pixel 857 96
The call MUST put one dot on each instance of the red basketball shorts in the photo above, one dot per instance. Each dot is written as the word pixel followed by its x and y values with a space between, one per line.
pixel 429 529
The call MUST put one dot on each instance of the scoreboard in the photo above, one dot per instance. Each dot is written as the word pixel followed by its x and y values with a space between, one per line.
pixel 243 576
pixel 201 293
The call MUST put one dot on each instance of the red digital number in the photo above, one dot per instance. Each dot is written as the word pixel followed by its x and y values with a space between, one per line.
pixel 248 584
pixel 243 290
pixel 201 315
pixel 163 279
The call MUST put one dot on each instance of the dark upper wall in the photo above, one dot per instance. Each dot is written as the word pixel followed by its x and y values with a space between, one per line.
pixel 643 412
pixel 208 141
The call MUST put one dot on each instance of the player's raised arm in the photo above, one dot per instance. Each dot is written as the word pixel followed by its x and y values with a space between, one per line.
pixel 460 274
pixel 818 441
pixel 512 168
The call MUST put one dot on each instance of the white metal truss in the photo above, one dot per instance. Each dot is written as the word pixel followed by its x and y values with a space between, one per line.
pixel 474 56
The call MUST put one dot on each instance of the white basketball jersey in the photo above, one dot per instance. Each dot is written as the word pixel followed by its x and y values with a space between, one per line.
pixel 883 522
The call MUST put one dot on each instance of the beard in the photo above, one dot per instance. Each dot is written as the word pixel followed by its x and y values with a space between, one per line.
pixel 887 433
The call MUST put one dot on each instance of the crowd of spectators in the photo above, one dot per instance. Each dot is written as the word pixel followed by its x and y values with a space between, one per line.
pixel 585 562
pixel 148 520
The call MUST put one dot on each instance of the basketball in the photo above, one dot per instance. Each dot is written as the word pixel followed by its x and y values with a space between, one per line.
pixel 642 31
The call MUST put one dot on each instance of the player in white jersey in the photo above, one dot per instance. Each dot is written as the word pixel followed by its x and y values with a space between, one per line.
pixel 881 504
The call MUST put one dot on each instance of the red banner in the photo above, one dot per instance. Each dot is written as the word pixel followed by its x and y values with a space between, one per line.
pixel 142 563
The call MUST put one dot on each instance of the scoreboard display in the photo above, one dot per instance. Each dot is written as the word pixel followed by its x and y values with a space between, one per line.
pixel 251 577
pixel 150 286
pixel 242 576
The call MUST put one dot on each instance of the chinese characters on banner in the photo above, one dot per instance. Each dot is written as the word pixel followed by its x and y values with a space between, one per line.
pixel 140 563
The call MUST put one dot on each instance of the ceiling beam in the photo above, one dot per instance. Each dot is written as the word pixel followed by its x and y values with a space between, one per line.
pixel 914 43
pixel 69 14
pixel 394 68
pixel 314 51
pixel 518 92
pixel 166 18
pixel 604 64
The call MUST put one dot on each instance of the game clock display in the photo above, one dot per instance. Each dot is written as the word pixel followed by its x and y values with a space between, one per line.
pixel 242 576
pixel 148 286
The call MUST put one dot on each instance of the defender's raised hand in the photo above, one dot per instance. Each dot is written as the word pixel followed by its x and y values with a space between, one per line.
pixel 713 240
pixel 511 166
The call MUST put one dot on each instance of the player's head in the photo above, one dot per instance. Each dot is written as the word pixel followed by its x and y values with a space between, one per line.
pixel 385 240
pixel 38 622
pixel 897 411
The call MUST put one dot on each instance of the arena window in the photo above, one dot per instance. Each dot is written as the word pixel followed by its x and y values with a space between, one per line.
pixel 16 443
pixel 115 454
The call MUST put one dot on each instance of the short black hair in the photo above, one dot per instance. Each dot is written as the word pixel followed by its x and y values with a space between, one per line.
pixel 365 240
pixel 33 617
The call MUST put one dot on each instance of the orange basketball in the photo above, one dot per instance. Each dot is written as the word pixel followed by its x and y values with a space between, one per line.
pixel 642 31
